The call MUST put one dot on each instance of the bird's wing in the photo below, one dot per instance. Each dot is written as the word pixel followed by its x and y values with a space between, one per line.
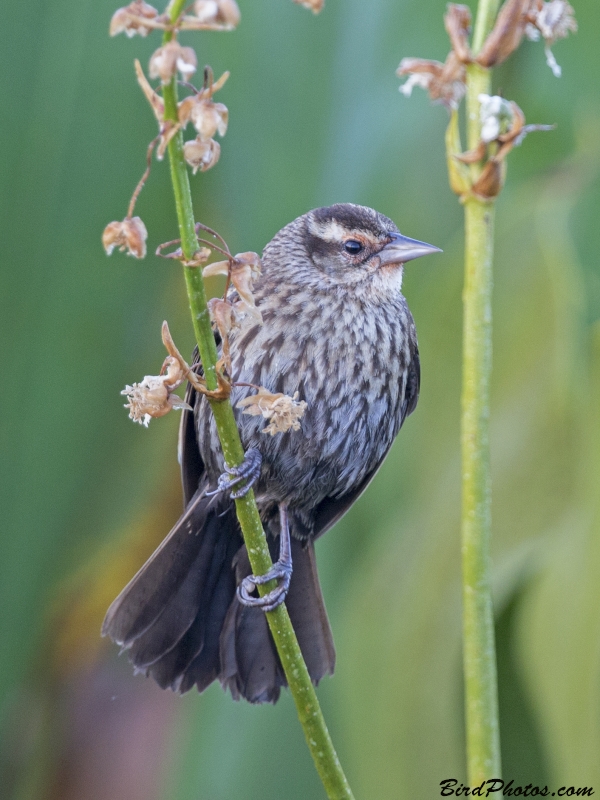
pixel 191 464
pixel 331 509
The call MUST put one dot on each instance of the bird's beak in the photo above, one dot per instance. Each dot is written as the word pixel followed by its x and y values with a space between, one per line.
pixel 402 249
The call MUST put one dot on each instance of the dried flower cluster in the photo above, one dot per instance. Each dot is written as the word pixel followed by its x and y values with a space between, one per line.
pixel 242 270
pixel 154 396
pixel 139 18
pixel 207 117
pixel 502 128
pixel 166 64
pixel 283 412
pixel 502 122
pixel 552 21
pixel 445 83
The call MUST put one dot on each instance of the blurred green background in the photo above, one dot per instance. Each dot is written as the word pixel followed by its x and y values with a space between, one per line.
pixel 315 118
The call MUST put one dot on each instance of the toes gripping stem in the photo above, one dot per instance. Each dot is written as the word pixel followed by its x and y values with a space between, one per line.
pixel 281 571
pixel 238 481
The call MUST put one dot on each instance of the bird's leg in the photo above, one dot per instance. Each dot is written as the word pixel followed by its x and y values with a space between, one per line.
pixel 281 571
pixel 247 474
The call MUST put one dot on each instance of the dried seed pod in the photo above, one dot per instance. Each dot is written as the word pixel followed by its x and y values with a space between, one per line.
pixel 444 82
pixel 206 116
pixel 217 12
pixel 201 155
pixel 506 34
pixel 130 19
pixel 129 235
pixel 170 59
pixel 457 21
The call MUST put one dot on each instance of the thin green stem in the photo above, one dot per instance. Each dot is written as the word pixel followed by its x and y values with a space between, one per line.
pixel 481 692
pixel 481 696
pixel 307 705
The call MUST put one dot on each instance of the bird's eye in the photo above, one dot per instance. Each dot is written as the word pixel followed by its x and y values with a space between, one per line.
pixel 353 247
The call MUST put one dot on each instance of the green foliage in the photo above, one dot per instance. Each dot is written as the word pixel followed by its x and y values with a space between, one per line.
pixel 315 118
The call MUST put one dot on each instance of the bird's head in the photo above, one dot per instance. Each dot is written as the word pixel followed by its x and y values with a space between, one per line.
pixel 349 243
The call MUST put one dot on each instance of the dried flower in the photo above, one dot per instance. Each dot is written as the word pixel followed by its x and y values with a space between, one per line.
pixel 129 235
pixel 457 21
pixel 243 271
pixel 283 411
pixel 503 126
pixel 171 58
pixel 154 397
pixel 222 12
pixel 313 5
pixel 444 82
pixel 222 314
pixel 201 155
pixel 206 116
pixel 130 19
pixel 553 20
pixel 506 34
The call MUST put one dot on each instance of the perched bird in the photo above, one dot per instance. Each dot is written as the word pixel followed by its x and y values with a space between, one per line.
pixel 337 331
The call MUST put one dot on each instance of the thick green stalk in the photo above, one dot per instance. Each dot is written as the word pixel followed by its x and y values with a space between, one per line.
pixel 307 705
pixel 481 692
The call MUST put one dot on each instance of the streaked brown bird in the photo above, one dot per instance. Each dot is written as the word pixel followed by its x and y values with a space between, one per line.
pixel 337 330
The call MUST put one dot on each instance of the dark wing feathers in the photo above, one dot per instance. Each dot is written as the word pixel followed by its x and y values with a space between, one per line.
pixel 144 598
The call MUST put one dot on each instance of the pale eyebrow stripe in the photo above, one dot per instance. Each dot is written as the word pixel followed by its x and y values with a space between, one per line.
pixel 333 231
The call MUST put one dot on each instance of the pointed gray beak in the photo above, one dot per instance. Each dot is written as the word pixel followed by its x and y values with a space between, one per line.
pixel 402 249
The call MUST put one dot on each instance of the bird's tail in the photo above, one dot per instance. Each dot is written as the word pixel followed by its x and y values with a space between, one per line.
pixel 180 619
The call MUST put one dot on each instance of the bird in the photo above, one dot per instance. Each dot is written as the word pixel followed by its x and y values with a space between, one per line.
pixel 337 333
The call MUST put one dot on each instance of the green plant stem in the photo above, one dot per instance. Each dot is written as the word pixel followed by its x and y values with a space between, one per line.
pixel 481 692
pixel 307 705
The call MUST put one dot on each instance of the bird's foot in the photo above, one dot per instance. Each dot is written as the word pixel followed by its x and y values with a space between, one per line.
pixel 281 571
pixel 246 474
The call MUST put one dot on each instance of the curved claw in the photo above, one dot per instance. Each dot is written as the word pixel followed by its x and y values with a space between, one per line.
pixel 281 571
pixel 269 601
pixel 247 474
